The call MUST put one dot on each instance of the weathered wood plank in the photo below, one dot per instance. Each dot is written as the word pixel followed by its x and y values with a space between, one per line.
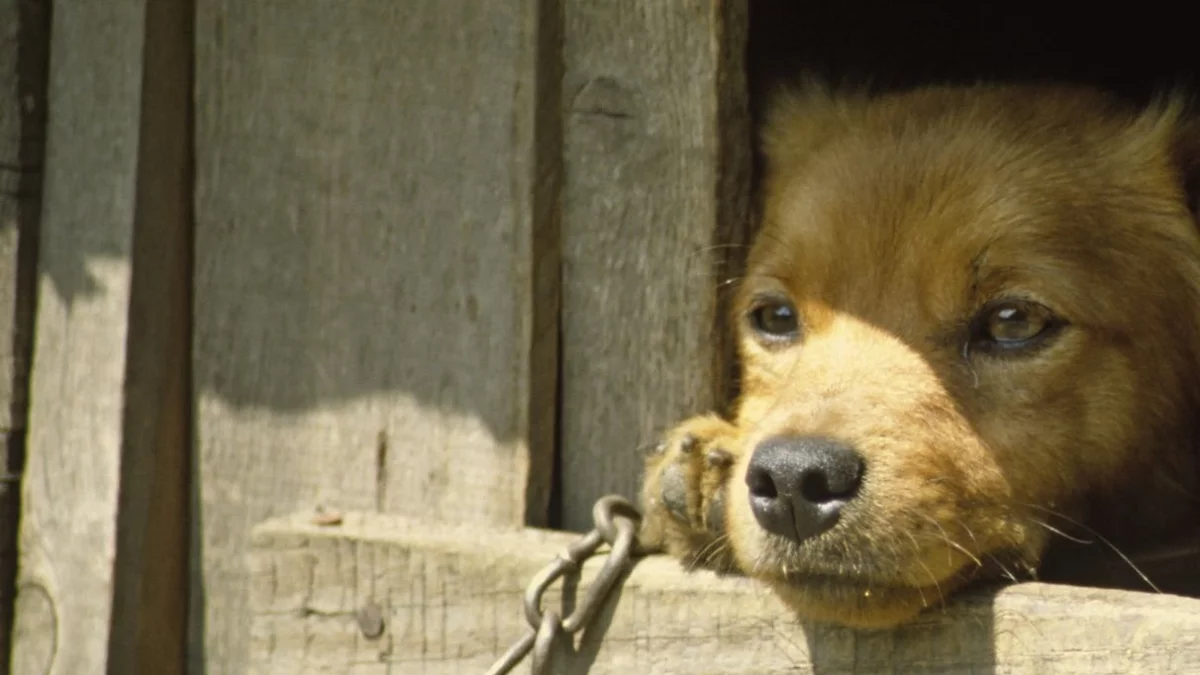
pixel 657 157
pixel 376 272
pixel 451 602
pixel 102 551
pixel 24 48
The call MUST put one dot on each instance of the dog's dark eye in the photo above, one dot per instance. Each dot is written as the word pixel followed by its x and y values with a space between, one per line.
pixel 1012 324
pixel 775 319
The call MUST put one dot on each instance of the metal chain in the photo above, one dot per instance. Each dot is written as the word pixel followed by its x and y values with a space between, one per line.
pixel 617 522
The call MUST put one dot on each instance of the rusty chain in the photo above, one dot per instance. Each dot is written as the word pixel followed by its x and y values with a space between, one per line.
pixel 616 524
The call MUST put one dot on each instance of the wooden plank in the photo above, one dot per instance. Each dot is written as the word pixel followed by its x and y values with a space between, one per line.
pixel 24 48
pixel 102 559
pixel 375 273
pixel 657 157
pixel 149 615
pixel 450 599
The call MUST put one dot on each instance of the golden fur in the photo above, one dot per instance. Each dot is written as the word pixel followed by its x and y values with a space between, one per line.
pixel 890 224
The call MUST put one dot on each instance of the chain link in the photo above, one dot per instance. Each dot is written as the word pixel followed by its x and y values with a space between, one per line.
pixel 616 524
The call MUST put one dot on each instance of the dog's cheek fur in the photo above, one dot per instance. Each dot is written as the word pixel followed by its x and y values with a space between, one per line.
pixel 1145 489
pixel 1056 422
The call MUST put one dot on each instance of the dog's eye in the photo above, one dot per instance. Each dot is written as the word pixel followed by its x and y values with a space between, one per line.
pixel 775 319
pixel 1013 324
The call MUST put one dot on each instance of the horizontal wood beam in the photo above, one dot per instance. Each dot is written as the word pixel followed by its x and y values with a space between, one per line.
pixel 450 602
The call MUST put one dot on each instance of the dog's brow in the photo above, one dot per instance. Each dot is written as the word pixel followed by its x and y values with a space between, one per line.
pixel 977 264
pixel 767 275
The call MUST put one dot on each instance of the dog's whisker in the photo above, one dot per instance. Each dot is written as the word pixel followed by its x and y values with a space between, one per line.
pixel 1064 535
pixel 709 248
pixel 1179 488
pixel 953 544
pixel 893 546
pixel 1008 573
pixel 721 282
pixel 759 564
pixel 1104 540
pixel 711 550
pixel 1030 569
pixel 1004 570
pixel 917 557
pixel 692 255
pixel 945 537
pixel 707 553
pixel 967 529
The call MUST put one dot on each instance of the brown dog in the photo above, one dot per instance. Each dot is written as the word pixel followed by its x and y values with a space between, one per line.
pixel 970 323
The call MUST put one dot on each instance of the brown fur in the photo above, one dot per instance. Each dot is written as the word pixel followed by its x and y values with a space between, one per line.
pixel 889 223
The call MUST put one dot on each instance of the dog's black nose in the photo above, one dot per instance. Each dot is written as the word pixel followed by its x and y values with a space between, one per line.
pixel 799 484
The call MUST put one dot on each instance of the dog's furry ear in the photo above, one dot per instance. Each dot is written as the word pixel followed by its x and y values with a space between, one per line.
pixel 1173 121
pixel 1186 149
pixel 801 117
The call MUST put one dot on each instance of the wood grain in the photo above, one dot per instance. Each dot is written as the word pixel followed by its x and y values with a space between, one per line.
pixel 656 159
pixel 376 273
pixel 450 599
pixel 102 551
pixel 24 51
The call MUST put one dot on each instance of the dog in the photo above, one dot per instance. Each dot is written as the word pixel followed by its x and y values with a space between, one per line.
pixel 969 326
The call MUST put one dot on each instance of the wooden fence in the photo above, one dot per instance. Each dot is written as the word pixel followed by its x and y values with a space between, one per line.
pixel 436 266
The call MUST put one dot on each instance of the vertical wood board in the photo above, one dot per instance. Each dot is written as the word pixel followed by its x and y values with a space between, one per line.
pixel 656 175
pixel 103 486
pixel 374 257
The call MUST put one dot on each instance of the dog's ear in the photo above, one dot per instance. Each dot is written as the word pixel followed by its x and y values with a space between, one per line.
pixel 1170 125
pixel 1186 150
pixel 1173 122
pixel 801 117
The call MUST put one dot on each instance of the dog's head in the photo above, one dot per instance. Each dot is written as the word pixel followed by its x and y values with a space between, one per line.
pixel 971 320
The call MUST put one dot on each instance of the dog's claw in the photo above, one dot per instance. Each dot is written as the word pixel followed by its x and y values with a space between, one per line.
pixel 688 443
pixel 653 449
pixel 684 491
pixel 718 458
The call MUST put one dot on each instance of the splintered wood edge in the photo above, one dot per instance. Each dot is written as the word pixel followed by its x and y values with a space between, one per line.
pixel 450 598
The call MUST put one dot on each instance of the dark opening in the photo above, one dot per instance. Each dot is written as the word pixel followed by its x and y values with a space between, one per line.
pixel 1119 47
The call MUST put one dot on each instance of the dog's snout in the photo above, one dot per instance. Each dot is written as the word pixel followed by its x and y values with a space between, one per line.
pixel 799 484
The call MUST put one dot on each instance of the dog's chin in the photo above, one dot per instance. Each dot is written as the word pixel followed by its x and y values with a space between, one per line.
pixel 883 598
pixel 858 603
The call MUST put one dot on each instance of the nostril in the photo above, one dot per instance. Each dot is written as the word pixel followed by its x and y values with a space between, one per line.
pixel 760 484
pixel 814 487
pixel 799 485
pixel 818 487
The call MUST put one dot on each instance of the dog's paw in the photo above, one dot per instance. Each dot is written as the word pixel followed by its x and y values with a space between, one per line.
pixel 683 492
